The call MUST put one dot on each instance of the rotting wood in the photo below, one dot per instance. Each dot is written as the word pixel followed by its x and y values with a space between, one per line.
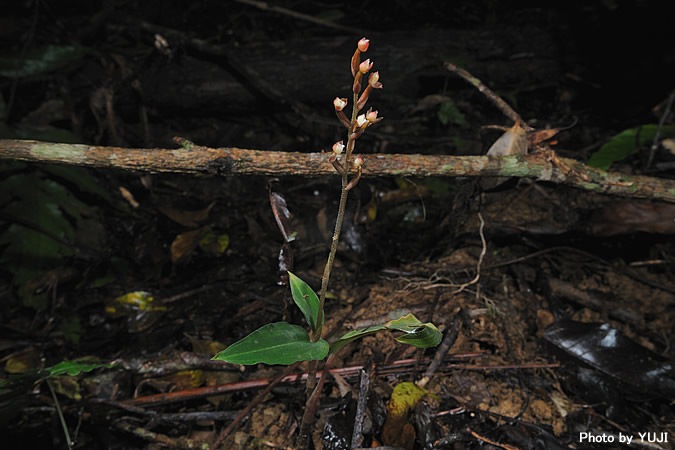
pixel 199 160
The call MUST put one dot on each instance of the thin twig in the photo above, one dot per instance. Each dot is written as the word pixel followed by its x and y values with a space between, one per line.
pixel 487 92
pixel 382 370
pixel 442 350
pixel 364 387
pixel 497 444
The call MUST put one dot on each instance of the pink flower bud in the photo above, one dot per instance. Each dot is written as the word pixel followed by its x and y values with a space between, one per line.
pixel 358 161
pixel 371 116
pixel 361 120
pixel 339 103
pixel 374 80
pixel 365 66
pixel 338 147
pixel 363 44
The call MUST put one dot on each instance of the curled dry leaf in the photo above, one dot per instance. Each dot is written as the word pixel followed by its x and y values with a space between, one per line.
pixel 282 215
pixel 512 142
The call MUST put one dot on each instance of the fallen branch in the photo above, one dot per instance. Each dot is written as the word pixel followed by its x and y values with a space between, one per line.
pixel 199 160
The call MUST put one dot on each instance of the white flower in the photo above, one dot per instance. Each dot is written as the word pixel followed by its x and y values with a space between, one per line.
pixel 361 120
pixel 338 147
pixel 339 103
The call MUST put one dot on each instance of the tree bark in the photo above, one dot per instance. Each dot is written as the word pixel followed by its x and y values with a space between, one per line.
pixel 199 160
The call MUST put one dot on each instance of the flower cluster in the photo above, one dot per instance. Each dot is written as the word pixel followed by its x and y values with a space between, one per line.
pixel 359 122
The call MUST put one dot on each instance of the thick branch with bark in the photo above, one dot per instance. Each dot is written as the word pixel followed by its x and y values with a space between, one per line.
pixel 234 161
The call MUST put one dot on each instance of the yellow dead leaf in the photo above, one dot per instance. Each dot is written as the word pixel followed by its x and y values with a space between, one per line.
pixel 397 431
pixel 21 362
pixel 205 347
pixel 66 385
pixel 137 307
pixel 214 245
pixel 133 301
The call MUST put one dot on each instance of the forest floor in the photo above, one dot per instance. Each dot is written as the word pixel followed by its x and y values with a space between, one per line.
pixel 558 302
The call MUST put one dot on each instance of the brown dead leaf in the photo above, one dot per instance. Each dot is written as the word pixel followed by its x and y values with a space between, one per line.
pixel 190 219
pixel 185 243
pixel 512 142
pixel 539 136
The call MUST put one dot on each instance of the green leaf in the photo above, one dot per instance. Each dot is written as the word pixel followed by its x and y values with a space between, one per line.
pixel 418 334
pixel 73 368
pixel 424 337
pixel 408 324
pixel 353 335
pixel 625 144
pixel 306 299
pixel 275 343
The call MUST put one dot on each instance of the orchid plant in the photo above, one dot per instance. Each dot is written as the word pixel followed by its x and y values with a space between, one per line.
pixel 284 343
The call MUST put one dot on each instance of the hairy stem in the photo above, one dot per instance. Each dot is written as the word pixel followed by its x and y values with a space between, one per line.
pixel 344 193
